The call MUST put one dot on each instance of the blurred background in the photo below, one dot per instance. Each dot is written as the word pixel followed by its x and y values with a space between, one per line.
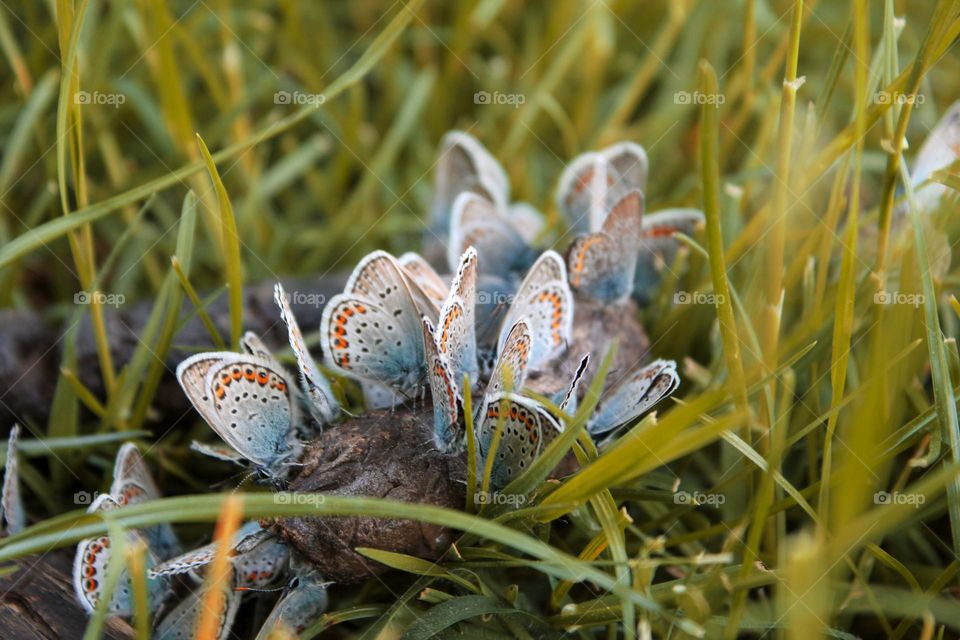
pixel 324 120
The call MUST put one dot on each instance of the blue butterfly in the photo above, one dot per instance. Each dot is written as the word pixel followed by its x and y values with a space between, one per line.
pixel 372 330
pixel 304 600
pixel 472 207
pixel 595 181
pixel 132 484
pixel 590 189
pixel 629 398
pixel 451 353
pixel 503 247
pixel 603 264
pixel 258 558
pixel 182 621
pixel 250 403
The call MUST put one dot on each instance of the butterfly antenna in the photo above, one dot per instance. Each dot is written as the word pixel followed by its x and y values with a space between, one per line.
pixel 260 589
pixel 243 480
pixel 243 475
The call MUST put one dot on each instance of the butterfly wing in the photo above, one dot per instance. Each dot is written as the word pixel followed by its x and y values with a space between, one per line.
pixel 444 392
pixel 202 556
pixel 323 405
pixel 581 193
pixel 262 564
pixel 300 606
pixel 374 341
pixel 525 426
pixel 456 337
pixel 633 396
pixel 186 562
pixel 568 404
pixel 603 264
pixel 11 503
pixel 181 622
pixel 510 369
pixel 549 311
pixel 419 271
pixel 476 222
pixel 192 376
pixel 549 267
pixel 545 300
pixel 595 181
pixel 372 331
pixel 380 277
pixel 253 409
pixel 222 451
pixel 465 165
pixel 628 163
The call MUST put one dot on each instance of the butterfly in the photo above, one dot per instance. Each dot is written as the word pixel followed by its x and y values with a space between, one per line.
pixel 133 484
pixel 92 560
pixel 322 404
pixel 633 396
pixel 466 167
pixel 456 337
pixel 507 379
pixel 445 393
pixel 594 181
pixel 247 400
pixel 12 513
pixel 181 622
pixel 258 558
pixel 525 426
pixel 372 330
pixel 451 352
pixel 492 296
pixel 477 222
pixel 544 299
pixel 304 600
pixel 603 264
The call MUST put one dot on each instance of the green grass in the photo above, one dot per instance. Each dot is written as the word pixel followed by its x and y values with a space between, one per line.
pixel 802 397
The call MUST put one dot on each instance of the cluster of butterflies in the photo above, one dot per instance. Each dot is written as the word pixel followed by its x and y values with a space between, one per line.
pixel 175 580
pixel 400 329
pixel 612 256
pixel 398 326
